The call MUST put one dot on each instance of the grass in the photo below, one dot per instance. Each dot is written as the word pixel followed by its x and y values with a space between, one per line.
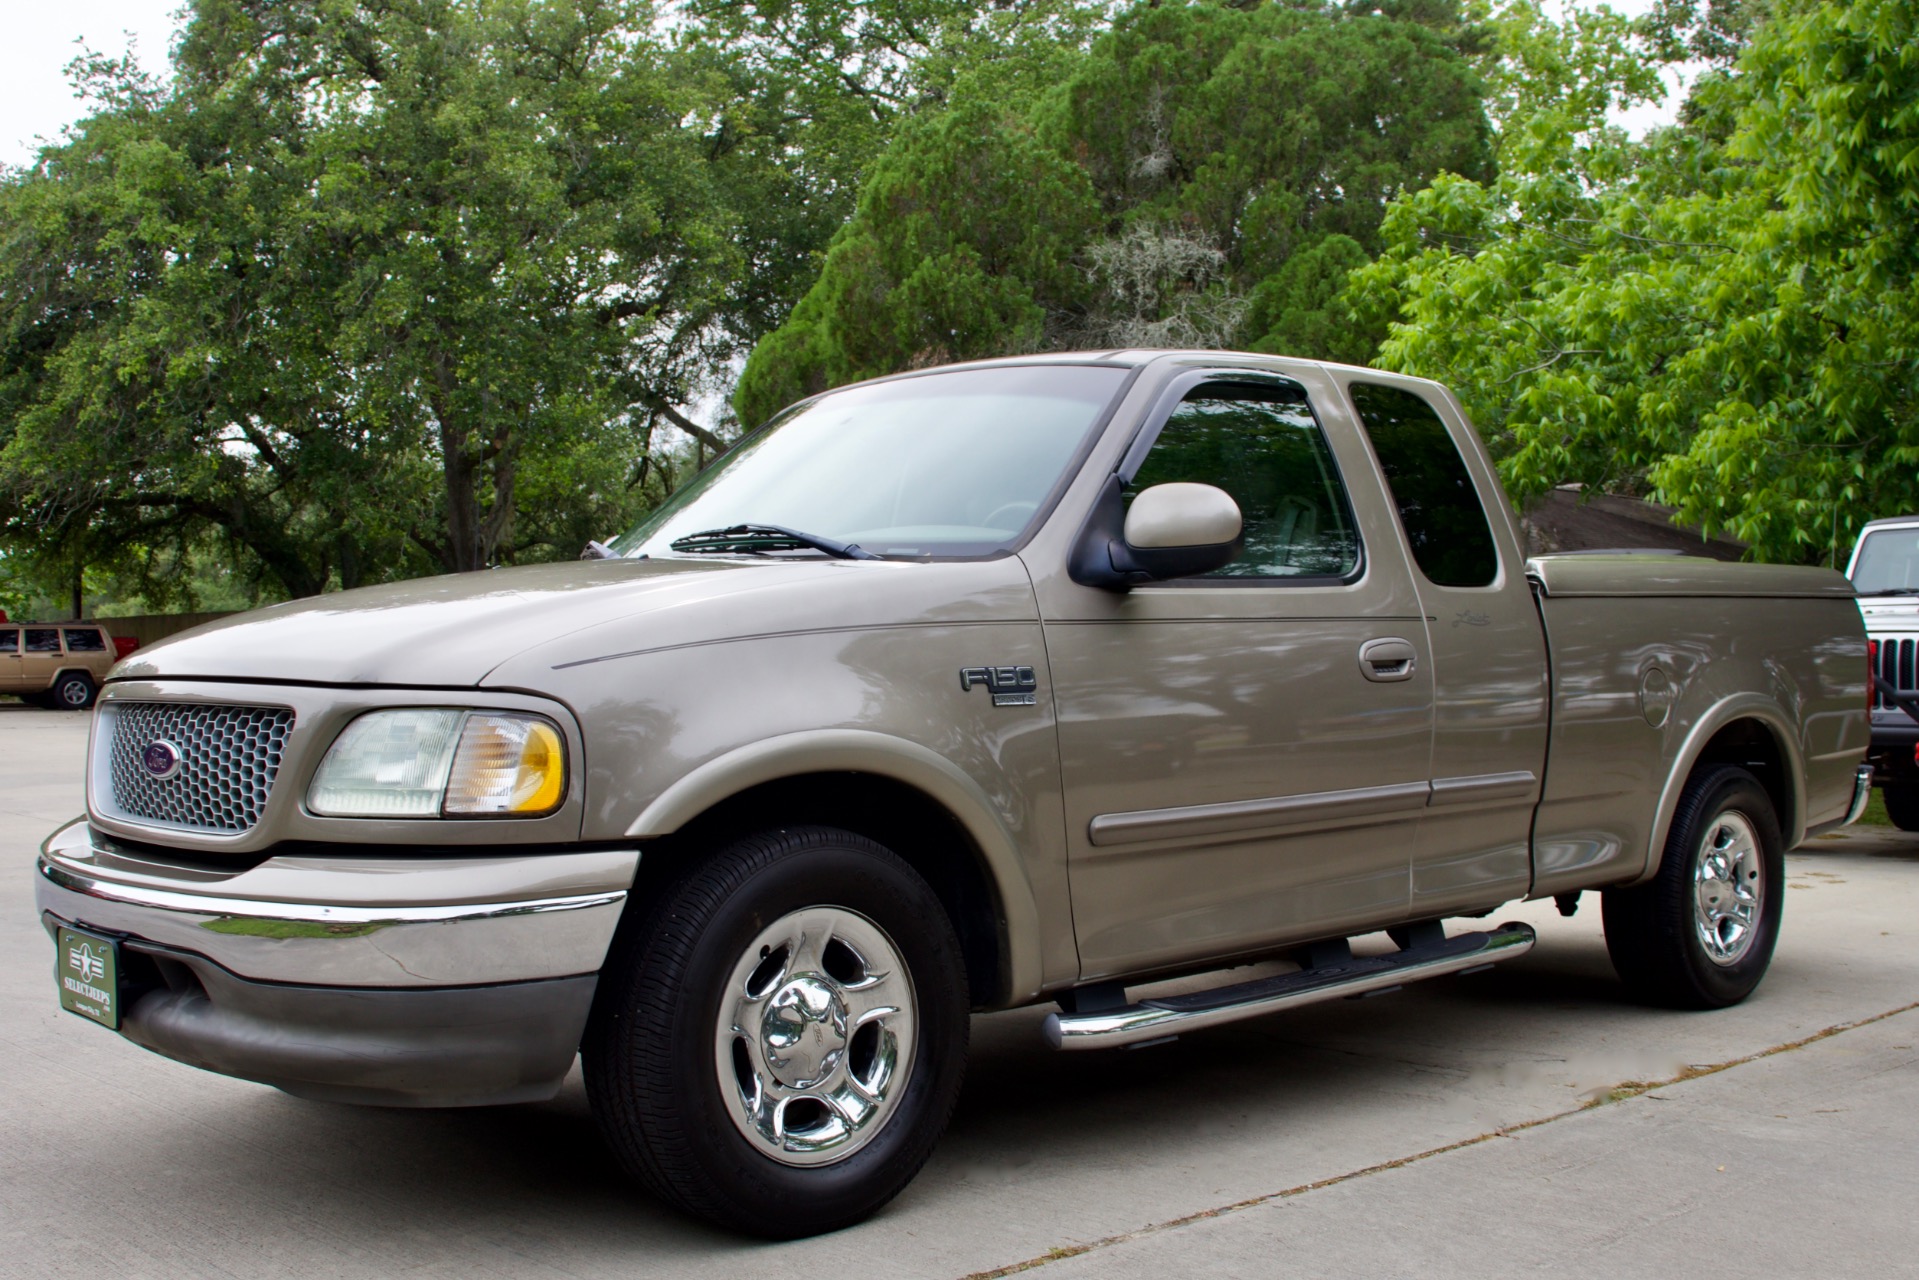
pixel 1875 814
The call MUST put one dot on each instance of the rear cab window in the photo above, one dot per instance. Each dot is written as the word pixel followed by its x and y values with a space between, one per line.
pixel 1438 504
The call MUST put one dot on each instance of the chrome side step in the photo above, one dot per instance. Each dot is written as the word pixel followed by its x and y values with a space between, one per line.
pixel 1167 1016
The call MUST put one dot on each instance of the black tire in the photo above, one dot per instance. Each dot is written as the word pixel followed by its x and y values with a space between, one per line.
pixel 1902 804
pixel 1655 932
pixel 650 1052
pixel 71 691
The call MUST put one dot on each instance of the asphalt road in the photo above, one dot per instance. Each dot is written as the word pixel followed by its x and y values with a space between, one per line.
pixel 1516 1121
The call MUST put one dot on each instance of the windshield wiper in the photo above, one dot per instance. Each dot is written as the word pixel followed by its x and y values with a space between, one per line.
pixel 755 538
pixel 1891 591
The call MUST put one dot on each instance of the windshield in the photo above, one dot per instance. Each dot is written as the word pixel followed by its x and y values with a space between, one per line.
pixel 946 464
pixel 1888 561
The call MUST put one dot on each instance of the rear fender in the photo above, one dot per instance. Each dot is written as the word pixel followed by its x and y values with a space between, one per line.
pixel 1739 706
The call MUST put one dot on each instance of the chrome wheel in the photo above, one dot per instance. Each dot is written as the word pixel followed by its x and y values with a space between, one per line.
pixel 1728 888
pixel 814 1040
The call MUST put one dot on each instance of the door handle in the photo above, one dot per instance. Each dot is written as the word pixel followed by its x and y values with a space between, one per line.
pixel 1387 658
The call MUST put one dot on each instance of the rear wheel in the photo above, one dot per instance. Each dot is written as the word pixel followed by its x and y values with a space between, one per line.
pixel 778 1043
pixel 72 691
pixel 1902 804
pixel 1701 933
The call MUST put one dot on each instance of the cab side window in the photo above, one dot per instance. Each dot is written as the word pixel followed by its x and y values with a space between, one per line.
pixel 1438 506
pixel 47 641
pixel 9 640
pixel 85 640
pixel 1262 445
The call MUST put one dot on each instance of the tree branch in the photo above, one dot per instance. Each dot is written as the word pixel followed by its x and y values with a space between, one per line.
pixel 686 424
pixel 1555 358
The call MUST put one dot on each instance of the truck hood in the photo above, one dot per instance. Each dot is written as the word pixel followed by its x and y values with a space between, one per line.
pixel 451 632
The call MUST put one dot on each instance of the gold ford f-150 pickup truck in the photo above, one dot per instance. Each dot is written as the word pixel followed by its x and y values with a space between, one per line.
pixel 1026 681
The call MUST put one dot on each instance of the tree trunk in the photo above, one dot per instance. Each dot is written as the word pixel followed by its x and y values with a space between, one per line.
pixel 462 518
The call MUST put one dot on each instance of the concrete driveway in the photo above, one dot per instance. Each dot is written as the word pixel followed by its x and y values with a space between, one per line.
pixel 1520 1120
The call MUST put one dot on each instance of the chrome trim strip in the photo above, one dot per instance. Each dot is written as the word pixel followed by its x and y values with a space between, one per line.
pixel 1138 1022
pixel 267 913
pixel 1861 794
pixel 348 878
pixel 1517 785
pixel 1254 815
pixel 404 945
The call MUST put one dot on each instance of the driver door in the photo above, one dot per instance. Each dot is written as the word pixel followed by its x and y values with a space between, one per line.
pixel 1236 776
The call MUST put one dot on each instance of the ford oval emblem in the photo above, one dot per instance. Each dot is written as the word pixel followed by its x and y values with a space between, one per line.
pixel 161 758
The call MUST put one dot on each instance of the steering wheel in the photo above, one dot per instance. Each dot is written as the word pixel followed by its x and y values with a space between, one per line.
pixel 1023 508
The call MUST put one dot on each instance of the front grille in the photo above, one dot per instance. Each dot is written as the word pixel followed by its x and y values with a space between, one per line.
pixel 228 757
pixel 1897 662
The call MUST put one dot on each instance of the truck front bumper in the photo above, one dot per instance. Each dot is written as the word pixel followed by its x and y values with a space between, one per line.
pixel 409 981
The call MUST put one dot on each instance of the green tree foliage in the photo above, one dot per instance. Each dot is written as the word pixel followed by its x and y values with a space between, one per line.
pixel 1205 173
pixel 1723 315
pixel 919 277
pixel 813 91
pixel 369 288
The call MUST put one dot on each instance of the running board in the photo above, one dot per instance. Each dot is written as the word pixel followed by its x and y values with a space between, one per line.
pixel 1167 1016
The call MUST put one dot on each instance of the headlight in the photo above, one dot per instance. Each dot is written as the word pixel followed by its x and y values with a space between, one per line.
pixel 424 763
pixel 506 764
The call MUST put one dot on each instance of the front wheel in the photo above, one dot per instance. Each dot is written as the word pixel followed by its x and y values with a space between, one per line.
pixel 1902 804
pixel 1700 934
pixel 778 1043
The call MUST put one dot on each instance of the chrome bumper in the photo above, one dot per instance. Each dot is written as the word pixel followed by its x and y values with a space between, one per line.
pixel 415 981
pixel 1861 793
pixel 351 922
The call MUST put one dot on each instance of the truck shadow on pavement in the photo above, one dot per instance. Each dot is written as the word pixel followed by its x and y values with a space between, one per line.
pixel 1030 1121
pixel 1045 1147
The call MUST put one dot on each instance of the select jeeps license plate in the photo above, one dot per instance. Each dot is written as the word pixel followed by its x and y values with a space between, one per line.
pixel 88 969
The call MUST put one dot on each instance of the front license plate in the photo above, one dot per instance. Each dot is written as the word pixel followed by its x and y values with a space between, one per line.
pixel 88 969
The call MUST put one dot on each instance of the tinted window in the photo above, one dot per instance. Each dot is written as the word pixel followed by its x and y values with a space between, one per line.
pixel 47 641
pixel 9 640
pixel 85 640
pixel 1262 446
pixel 1438 506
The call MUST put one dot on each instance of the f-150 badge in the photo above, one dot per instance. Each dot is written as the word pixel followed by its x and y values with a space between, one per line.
pixel 1011 686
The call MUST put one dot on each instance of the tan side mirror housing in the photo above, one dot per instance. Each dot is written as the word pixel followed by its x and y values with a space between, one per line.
pixel 1170 531
pixel 1181 516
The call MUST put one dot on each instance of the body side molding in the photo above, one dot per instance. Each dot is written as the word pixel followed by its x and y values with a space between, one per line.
pixel 1235 816
pixel 1472 788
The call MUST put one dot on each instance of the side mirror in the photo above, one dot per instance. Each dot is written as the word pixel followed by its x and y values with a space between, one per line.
pixel 1170 531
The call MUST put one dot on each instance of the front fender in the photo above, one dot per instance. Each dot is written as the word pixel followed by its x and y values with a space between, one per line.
pixel 887 756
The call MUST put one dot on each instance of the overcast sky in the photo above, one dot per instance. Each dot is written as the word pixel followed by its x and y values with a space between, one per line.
pixel 44 35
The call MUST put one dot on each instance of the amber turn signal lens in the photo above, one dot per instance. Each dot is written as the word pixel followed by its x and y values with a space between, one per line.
pixel 506 764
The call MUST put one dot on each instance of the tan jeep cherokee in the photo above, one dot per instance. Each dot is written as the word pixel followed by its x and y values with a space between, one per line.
pixel 57 665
